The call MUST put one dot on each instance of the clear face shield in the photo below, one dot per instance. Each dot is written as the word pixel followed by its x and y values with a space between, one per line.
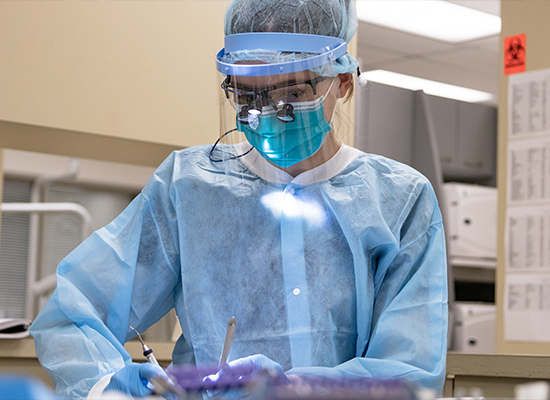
pixel 282 117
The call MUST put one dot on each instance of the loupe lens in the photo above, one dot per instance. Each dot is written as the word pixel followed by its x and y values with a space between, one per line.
pixel 286 114
pixel 242 116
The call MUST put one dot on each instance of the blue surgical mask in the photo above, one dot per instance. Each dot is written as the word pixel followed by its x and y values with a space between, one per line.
pixel 285 144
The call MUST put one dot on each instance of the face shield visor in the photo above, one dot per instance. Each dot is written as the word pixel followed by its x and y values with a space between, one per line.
pixel 276 102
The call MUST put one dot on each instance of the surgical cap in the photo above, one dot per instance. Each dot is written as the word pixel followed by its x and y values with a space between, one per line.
pixel 336 18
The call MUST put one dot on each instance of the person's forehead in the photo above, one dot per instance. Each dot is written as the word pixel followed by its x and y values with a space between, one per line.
pixel 272 80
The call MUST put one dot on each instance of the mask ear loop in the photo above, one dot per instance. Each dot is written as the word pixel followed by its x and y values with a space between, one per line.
pixel 334 110
pixel 230 158
pixel 335 103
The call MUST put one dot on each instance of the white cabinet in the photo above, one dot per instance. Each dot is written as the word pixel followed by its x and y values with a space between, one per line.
pixel 384 121
pixel 466 138
pixel 443 112
pixel 465 132
pixel 476 128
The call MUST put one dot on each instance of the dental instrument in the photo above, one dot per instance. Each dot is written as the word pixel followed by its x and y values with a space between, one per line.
pixel 147 352
pixel 230 333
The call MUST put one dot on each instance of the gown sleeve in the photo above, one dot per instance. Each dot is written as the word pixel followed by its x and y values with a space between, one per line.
pixel 408 336
pixel 126 273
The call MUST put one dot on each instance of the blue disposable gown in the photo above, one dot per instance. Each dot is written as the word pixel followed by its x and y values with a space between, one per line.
pixel 343 275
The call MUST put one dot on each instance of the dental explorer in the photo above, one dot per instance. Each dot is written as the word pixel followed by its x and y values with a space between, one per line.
pixel 147 352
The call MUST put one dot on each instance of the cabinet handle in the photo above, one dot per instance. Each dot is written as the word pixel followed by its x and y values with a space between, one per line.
pixel 473 164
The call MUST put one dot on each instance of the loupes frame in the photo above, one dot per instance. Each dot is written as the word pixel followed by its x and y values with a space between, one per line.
pixel 251 100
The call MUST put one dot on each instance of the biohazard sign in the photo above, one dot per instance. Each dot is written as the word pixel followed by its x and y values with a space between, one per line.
pixel 514 54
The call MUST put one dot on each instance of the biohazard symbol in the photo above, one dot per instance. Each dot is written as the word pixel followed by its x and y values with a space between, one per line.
pixel 515 51
pixel 514 54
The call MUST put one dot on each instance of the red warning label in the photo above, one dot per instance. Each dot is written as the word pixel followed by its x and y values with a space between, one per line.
pixel 514 54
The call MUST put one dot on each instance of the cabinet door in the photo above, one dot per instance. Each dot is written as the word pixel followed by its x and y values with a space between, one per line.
pixel 443 113
pixel 384 124
pixel 476 139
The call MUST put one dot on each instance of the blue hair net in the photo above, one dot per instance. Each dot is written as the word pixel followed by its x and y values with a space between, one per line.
pixel 336 18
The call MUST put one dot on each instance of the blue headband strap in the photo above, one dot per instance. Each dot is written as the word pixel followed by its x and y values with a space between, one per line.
pixel 278 41
pixel 329 49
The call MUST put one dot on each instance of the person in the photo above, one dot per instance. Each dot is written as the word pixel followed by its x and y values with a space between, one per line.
pixel 332 260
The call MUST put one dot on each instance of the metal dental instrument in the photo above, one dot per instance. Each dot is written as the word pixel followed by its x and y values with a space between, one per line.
pixel 162 385
pixel 228 341
pixel 147 352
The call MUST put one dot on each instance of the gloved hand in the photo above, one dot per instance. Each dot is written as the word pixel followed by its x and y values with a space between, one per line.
pixel 134 379
pixel 258 360
pixel 263 362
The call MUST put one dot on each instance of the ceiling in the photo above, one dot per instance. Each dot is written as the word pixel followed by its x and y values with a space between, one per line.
pixel 472 64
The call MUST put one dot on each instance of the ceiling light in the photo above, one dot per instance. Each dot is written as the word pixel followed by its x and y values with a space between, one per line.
pixel 436 19
pixel 429 87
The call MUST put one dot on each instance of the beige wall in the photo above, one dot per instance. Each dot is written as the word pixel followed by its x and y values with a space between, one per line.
pixel 141 70
pixel 529 17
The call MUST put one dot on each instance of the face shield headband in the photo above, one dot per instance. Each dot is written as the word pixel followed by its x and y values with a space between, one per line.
pixel 320 50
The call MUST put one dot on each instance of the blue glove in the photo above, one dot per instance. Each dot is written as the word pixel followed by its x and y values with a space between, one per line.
pixel 263 362
pixel 134 379
pixel 258 360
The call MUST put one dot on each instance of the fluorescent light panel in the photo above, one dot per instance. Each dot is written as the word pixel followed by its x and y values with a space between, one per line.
pixel 429 87
pixel 436 19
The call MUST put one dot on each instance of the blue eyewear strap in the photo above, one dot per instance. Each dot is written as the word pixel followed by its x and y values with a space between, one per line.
pixel 327 49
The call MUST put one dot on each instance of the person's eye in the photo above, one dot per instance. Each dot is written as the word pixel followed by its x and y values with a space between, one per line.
pixel 296 94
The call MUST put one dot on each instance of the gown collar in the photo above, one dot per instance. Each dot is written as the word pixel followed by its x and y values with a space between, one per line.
pixel 267 171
